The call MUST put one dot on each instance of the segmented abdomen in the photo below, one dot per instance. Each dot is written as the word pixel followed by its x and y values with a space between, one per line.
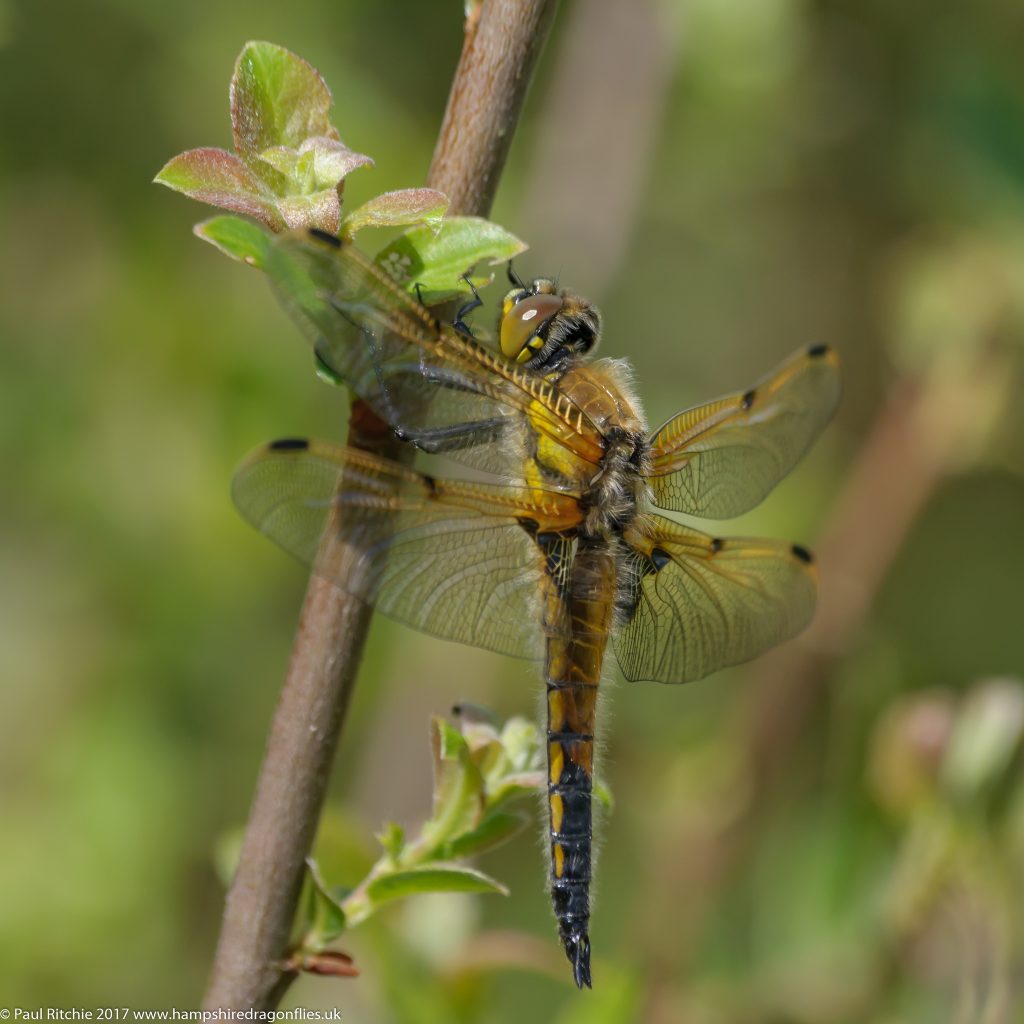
pixel 575 654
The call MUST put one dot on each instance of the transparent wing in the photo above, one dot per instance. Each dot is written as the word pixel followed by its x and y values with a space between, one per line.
pixel 462 561
pixel 440 389
pixel 720 460
pixel 699 603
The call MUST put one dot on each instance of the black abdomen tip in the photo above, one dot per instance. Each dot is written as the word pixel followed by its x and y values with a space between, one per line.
pixel 577 949
pixel 803 554
pixel 290 444
pixel 816 351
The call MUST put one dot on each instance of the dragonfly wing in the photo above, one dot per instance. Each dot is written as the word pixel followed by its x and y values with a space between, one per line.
pixel 462 561
pixel 700 603
pixel 721 459
pixel 422 377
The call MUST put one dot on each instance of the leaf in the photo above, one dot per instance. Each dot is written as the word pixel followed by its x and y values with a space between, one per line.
pixel 324 914
pixel 219 178
pixel 458 789
pixel 331 160
pixel 319 163
pixel 489 757
pixel 392 839
pixel 330 962
pixel 496 827
pixel 326 373
pixel 436 878
pixel 521 740
pixel 277 99
pixel 237 238
pixel 319 210
pixel 437 260
pixel 390 209
pixel 517 784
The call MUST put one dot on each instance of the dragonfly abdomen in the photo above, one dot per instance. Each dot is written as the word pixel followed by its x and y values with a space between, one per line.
pixel 570 779
pixel 575 655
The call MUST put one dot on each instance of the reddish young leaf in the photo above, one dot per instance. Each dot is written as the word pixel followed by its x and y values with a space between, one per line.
pixel 219 178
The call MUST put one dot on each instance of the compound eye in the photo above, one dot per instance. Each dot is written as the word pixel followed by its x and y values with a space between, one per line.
pixel 524 320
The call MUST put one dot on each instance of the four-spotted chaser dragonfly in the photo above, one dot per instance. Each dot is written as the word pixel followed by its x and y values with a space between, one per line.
pixel 561 552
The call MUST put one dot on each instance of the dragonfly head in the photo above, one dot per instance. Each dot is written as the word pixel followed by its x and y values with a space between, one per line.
pixel 543 327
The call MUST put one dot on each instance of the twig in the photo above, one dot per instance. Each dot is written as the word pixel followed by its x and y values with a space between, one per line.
pixel 503 40
pixel 498 56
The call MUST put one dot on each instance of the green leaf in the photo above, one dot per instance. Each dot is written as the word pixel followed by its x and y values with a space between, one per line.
pixel 237 238
pixel 326 373
pixel 437 260
pixel 496 828
pixel 219 178
pixel 277 99
pixel 517 784
pixel 324 914
pixel 458 789
pixel 390 209
pixel 392 838
pixel 521 740
pixel 319 164
pixel 435 878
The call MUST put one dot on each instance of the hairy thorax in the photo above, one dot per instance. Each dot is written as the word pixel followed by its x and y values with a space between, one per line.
pixel 610 498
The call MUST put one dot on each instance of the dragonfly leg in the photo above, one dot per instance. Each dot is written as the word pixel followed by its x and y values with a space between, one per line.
pixel 514 278
pixel 438 440
pixel 476 302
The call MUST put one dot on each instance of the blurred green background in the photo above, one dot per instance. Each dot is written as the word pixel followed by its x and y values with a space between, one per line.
pixel 834 833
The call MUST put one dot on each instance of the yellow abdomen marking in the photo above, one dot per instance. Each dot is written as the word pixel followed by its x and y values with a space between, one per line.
pixel 557 809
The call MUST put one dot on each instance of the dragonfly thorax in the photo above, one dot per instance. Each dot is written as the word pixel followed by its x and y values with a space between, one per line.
pixel 613 498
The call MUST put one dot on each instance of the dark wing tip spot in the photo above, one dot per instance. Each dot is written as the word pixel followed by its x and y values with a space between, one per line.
pixel 325 236
pixel 748 399
pixel 816 351
pixel 803 554
pixel 717 544
pixel 290 444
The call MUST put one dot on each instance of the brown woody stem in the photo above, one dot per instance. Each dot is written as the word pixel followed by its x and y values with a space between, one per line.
pixel 503 41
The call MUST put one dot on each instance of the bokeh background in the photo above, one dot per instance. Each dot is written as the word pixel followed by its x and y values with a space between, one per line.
pixel 833 833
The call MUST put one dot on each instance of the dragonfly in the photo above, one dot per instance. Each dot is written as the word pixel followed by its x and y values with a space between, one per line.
pixel 557 552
